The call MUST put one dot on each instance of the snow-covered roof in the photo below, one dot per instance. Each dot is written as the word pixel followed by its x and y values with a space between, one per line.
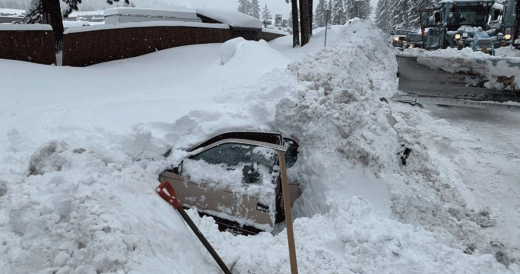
pixel 14 12
pixel 147 24
pixel 185 14
pixel 25 27
pixel 232 18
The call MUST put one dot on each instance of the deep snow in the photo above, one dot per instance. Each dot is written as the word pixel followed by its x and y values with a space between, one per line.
pixel 93 208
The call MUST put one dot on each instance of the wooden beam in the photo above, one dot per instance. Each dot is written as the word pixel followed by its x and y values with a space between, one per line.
pixel 288 215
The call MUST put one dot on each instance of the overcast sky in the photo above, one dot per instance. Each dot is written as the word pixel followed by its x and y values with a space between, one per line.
pixel 275 6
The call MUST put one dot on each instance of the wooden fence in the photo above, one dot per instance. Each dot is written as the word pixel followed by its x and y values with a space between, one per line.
pixel 92 45
pixel 27 43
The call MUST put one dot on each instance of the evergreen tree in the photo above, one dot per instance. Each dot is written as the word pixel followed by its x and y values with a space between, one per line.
pixel 266 14
pixel 243 6
pixel 255 9
pixel 393 14
pixel 384 15
pixel 365 9
pixel 358 8
pixel 319 16
pixel 400 14
pixel 345 10
pixel 338 15
pixel 329 7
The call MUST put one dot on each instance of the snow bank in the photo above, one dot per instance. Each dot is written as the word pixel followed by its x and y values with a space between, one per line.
pixel 492 68
pixel 341 120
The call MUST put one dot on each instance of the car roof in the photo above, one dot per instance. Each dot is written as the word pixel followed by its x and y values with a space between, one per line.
pixel 267 137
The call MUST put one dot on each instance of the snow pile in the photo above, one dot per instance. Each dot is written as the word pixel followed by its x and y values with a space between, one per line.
pixel 341 115
pixel 90 217
pixel 497 72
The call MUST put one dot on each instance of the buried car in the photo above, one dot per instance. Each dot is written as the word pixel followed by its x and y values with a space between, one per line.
pixel 235 178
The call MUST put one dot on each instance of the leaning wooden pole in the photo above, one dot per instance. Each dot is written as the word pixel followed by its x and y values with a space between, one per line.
pixel 288 216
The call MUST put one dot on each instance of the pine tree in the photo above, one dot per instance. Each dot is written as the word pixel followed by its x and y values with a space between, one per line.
pixel 365 9
pixel 255 9
pixel 393 14
pixel 242 6
pixel 338 15
pixel 319 16
pixel 384 15
pixel 266 14
pixel 345 10
pixel 358 8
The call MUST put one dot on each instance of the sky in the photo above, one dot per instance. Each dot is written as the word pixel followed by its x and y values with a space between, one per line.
pixel 275 6
pixel 96 137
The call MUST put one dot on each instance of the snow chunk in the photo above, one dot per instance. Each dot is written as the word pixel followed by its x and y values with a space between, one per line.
pixel 47 158
pixel 229 48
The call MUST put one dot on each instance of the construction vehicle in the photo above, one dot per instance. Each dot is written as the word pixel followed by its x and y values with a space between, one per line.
pixel 516 25
pixel 502 21
pixel 455 19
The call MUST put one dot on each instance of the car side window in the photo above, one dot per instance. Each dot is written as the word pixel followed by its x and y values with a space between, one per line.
pixel 233 154
pixel 253 162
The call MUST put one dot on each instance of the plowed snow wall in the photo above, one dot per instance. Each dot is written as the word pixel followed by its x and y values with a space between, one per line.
pixel 91 47
pixel 35 46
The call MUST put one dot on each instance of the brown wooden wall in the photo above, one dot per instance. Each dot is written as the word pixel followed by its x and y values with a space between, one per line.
pixel 35 46
pixel 91 47
pixel 96 46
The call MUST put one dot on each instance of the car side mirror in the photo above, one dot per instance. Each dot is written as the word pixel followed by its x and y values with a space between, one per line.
pixel 178 169
pixel 392 33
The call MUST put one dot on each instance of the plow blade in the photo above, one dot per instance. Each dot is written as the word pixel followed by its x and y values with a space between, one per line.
pixel 458 81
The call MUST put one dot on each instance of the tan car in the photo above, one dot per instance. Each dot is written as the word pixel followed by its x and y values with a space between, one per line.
pixel 235 178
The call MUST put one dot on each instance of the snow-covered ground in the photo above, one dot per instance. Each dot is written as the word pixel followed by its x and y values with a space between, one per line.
pixel 91 206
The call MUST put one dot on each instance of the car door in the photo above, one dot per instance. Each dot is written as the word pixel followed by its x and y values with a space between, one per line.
pixel 231 179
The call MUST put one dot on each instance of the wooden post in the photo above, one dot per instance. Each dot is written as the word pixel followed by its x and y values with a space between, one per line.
pixel 288 216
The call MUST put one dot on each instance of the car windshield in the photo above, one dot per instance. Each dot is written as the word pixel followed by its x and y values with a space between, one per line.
pixel 481 35
pixel 401 32
pixel 414 38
